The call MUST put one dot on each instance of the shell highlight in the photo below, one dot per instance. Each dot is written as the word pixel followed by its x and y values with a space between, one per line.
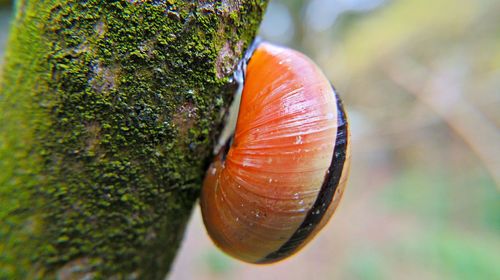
pixel 278 182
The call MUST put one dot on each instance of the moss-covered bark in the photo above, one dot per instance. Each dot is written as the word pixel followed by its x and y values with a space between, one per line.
pixel 109 112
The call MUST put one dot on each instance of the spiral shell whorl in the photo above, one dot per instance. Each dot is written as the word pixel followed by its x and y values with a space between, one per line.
pixel 285 170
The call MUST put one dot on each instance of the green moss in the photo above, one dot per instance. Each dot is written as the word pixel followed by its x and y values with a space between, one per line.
pixel 109 115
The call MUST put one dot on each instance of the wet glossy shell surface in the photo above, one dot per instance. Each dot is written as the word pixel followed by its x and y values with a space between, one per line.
pixel 269 192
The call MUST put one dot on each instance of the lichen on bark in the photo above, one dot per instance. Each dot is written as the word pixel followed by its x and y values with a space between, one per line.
pixel 110 110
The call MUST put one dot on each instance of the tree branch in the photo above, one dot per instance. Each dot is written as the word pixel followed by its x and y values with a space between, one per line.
pixel 110 110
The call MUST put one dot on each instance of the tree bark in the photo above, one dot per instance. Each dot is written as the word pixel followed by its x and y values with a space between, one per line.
pixel 109 113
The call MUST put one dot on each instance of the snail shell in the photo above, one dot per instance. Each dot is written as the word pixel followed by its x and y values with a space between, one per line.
pixel 277 183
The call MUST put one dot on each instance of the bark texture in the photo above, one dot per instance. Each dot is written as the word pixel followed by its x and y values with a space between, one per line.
pixel 109 112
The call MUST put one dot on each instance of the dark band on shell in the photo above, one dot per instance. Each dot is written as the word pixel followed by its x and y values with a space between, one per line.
pixel 326 194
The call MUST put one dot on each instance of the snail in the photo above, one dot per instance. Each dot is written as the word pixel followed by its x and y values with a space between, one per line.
pixel 277 181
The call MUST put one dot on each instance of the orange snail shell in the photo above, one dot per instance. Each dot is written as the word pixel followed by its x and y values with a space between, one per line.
pixel 279 182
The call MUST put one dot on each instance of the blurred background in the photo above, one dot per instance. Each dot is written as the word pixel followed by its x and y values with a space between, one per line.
pixel 421 84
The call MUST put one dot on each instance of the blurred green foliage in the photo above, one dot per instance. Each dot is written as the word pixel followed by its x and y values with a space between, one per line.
pixel 217 262
pixel 5 16
pixel 5 3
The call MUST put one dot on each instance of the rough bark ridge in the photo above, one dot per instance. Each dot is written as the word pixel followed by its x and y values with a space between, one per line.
pixel 109 112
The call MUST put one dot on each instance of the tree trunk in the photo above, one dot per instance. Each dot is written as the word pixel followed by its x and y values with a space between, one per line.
pixel 109 113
